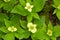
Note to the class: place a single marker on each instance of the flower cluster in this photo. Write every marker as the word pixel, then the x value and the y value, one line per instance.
pixel 12 29
pixel 32 27
pixel 29 7
pixel 49 32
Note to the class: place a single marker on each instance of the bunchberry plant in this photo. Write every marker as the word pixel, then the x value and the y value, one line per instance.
pixel 29 19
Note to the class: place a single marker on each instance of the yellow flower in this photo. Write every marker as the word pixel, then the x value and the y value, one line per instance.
pixel 32 27
pixel 6 0
pixel 58 7
pixel 49 32
pixel 29 7
pixel 12 29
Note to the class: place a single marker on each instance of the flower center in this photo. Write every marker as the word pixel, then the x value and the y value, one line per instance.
pixel 12 28
pixel 31 27
pixel 28 7
pixel 49 33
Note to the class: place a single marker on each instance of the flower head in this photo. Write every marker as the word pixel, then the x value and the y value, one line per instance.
pixel 49 32
pixel 6 0
pixel 12 29
pixel 29 7
pixel 58 7
pixel 32 27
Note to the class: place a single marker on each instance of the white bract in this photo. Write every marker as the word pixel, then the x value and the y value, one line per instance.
pixel 29 7
pixel 32 27
pixel 6 0
pixel 58 7
pixel 49 32
pixel 12 29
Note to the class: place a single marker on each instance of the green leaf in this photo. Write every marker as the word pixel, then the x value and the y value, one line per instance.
pixel 22 2
pixel 35 15
pixel 4 29
pixel 44 27
pixel 55 11
pixel 0 38
pixel 53 5
pixel 57 31
pixel 29 17
pixel 42 36
pixel 1 34
pixel 9 5
pixel 2 24
pixel 34 38
pixel 40 21
pixel 1 3
pixel 56 2
pixel 38 5
pixel 30 1
pixel 20 34
pixel 50 26
pixel 23 24
pixel 3 16
pixel 9 36
pixel 26 34
pixel 43 33
pixel 15 20
pixel 19 10
pixel 53 38
pixel 7 23
pixel 58 14
pixel 20 30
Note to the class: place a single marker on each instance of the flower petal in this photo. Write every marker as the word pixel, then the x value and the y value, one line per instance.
pixel 32 6
pixel 25 7
pixel 27 4
pixel 34 30
pixel 29 10
pixel 35 25
pixel 12 29
pixel 15 29
pixel 9 28
pixel 29 24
